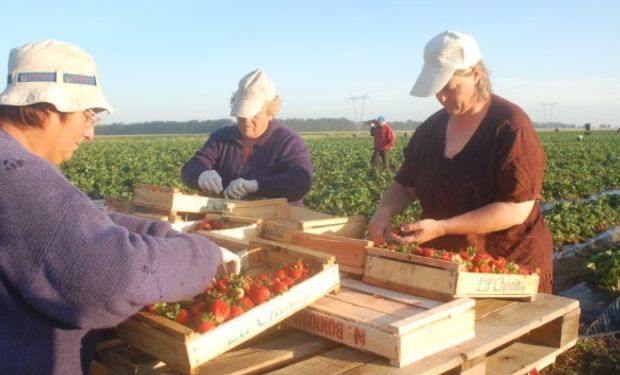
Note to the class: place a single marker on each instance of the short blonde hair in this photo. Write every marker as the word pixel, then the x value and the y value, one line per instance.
pixel 273 107
pixel 483 86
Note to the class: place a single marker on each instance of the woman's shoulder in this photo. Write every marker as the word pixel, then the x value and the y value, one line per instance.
pixel 429 125
pixel 280 131
pixel 507 112
pixel 224 133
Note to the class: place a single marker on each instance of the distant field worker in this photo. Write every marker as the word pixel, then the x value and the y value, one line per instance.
pixel 67 268
pixel 258 156
pixel 384 141
pixel 476 166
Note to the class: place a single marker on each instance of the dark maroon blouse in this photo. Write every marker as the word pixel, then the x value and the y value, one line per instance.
pixel 502 162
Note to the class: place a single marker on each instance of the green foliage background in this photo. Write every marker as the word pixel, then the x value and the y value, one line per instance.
pixel 346 184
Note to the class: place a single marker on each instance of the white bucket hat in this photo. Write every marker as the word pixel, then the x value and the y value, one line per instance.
pixel 255 89
pixel 443 55
pixel 53 72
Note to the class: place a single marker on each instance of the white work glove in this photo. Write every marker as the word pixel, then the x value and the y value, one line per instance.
pixel 210 181
pixel 231 262
pixel 240 187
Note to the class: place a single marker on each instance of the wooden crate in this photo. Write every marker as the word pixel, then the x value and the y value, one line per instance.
pixel 183 349
pixel 173 200
pixel 435 278
pixel 403 328
pixel 310 221
pixel 350 253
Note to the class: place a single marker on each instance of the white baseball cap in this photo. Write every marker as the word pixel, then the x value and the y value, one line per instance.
pixel 443 55
pixel 255 89
pixel 53 72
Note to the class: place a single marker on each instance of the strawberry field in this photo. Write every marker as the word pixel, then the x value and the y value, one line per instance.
pixel 346 184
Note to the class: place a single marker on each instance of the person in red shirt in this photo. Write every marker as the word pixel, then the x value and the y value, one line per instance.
pixel 384 141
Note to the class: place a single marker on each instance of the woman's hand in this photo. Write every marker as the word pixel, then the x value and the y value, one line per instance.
pixel 379 227
pixel 422 231
pixel 210 181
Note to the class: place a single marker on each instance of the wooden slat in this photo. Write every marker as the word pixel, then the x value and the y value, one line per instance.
pixel 262 357
pixel 155 342
pixel 522 357
pixel 336 361
pixel 303 213
pixel 412 278
pixel 489 306
pixel 377 303
pixel 230 243
pixel 282 253
pixel 444 311
pixel 175 330
pixel 355 313
pixel 393 295
pixel 559 332
pixel 438 263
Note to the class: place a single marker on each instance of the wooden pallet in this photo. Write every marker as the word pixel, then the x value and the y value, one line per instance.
pixel 185 350
pixel 439 279
pixel 512 337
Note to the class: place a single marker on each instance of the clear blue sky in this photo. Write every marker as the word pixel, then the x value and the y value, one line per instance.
pixel 181 60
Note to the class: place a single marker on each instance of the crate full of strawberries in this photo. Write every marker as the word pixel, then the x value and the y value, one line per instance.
pixel 277 281
pixel 444 275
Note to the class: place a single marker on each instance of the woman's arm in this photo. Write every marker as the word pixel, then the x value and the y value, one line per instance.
pixel 395 200
pixel 490 218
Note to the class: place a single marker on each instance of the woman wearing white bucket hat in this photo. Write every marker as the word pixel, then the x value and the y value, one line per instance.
pixel 476 166
pixel 67 268
pixel 258 156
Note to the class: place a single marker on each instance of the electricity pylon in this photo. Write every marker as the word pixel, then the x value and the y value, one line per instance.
pixel 358 116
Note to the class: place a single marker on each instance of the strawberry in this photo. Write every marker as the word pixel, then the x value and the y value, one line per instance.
pixel 235 311
pixel 428 252
pixel 295 270
pixel 484 268
pixel 447 255
pixel 197 308
pixel 206 323
pixel 280 273
pixel 465 255
pixel 245 303
pixel 258 294
pixel 288 281
pixel 203 225
pixel 220 310
pixel 278 287
pixel 222 285
pixel 155 308
pixel 219 225
pixel 183 316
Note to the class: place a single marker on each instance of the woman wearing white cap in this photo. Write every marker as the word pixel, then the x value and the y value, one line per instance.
pixel 476 166
pixel 67 268
pixel 258 156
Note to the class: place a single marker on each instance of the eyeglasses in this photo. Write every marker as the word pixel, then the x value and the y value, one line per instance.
pixel 92 118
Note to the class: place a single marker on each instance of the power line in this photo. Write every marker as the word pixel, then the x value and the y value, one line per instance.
pixel 547 111
pixel 358 116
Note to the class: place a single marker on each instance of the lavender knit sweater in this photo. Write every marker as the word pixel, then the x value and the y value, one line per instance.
pixel 68 269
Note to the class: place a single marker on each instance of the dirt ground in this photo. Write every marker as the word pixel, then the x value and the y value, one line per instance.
pixel 591 356
pixel 568 272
